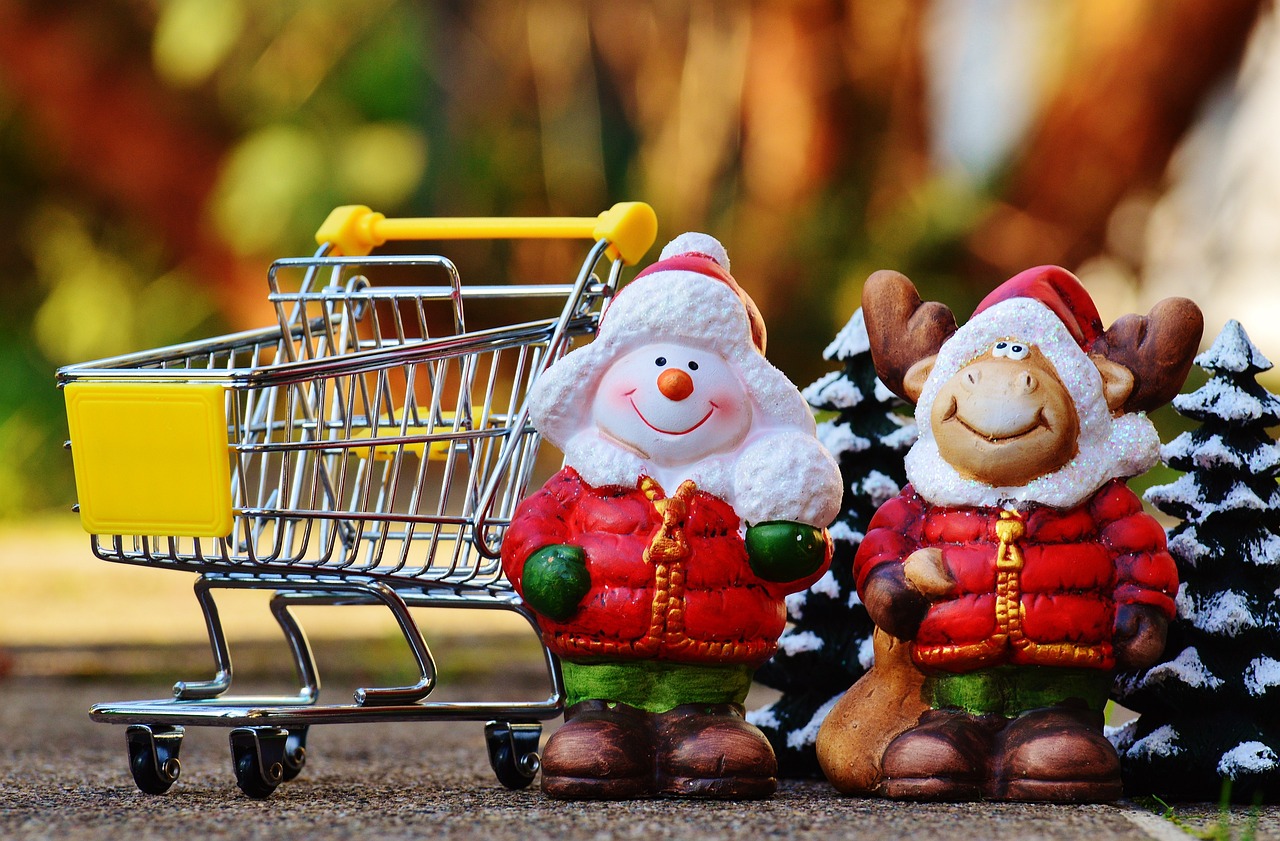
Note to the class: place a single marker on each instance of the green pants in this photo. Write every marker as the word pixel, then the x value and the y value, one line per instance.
pixel 1012 690
pixel 654 685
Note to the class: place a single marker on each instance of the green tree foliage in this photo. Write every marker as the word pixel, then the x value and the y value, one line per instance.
pixel 1208 709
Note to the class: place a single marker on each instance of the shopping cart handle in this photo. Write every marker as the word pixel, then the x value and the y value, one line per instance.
pixel 628 227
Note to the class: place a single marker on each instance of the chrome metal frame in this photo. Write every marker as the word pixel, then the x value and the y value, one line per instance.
pixel 299 381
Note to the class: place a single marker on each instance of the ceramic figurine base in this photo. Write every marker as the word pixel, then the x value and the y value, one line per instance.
pixel 615 752
pixel 886 701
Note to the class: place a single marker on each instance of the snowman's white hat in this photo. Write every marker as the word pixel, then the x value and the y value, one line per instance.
pixel 695 253
pixel 688 297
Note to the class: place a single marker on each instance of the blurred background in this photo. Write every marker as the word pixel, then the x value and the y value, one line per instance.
pixel 155 155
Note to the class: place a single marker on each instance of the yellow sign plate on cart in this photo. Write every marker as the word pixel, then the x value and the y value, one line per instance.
pixel 151 458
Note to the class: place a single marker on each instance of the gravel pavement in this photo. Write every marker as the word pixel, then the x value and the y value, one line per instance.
pixel 64 777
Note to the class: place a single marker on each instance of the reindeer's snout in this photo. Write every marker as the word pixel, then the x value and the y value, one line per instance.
pixel 1005 421
pixel 1001 381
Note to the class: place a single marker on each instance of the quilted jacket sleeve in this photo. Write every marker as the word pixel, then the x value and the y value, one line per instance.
pixel 892 535
pixel 1145 572
pixel 540 520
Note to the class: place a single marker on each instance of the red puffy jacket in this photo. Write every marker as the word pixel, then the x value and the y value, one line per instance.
pixel 1039 587
pixel 669 577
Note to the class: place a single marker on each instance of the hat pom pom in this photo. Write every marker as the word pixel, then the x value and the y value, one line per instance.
pixel 696 243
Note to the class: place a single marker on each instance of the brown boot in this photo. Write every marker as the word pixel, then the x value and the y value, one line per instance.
pixel 944 757
pixel 603 751
pixel 709 750
pixel 1055 754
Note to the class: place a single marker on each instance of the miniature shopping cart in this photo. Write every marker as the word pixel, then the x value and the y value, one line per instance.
pixel 370 449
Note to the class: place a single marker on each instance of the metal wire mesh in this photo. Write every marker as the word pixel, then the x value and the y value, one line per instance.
pixel 373 434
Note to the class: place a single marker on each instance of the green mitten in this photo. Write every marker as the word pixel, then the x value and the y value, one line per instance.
pixel 555 579
pixel 783 551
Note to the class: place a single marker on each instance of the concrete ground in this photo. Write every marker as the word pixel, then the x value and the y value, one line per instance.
pixel 64 777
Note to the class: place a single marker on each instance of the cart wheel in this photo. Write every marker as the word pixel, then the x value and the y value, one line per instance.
pixel 513 752
pixel 153 756
pixel 295 753
pixel 258 755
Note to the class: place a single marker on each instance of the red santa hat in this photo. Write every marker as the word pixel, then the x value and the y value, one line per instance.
pixel 1060 291
pixel 1049 308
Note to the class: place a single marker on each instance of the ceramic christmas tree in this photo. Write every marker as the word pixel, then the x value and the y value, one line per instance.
pixel 1210 710
pixel 828 644
pixel 1016 569
pixel 694 499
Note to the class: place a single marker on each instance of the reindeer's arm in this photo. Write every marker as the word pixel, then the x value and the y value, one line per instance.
pixel 1146 577
pixel 1139 637
pixel 893 604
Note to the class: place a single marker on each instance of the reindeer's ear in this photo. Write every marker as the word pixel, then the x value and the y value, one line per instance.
pixel 913 381
pixel 1117 381
pixel 903 331
pixel 1156 348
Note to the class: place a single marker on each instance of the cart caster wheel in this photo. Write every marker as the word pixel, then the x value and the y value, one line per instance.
pixel 258 757
pixel 295 753
pixel 513 752
pixel 153 756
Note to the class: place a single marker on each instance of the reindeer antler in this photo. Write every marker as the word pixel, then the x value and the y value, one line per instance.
pixel 902 329
pixel 1157 348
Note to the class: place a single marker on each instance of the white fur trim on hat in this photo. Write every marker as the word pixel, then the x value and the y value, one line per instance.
pixel 1108 447
pixel 787 476
pixel 696 243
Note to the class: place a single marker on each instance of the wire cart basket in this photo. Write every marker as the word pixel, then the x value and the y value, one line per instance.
pixel 357 453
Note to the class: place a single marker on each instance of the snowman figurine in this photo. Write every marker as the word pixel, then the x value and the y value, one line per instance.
pixel 694 498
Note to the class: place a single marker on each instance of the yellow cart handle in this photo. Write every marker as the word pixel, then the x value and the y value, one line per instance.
pixel 628 227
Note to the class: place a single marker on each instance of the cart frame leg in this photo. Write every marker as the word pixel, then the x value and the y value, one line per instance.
pixel 304 662
pixel 202 690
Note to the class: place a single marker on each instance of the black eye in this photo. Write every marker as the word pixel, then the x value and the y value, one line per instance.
pixel 661 360
pixel 1002 345
pixel 693 366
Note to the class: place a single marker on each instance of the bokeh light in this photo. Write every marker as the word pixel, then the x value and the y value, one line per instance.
pixel 157 155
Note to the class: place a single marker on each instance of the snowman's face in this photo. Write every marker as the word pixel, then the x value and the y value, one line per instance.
pixel 673 403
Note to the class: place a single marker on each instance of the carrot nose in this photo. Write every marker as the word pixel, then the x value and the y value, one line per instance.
pixel 675 384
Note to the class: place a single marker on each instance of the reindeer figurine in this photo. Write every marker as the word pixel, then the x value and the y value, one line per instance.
pixel 1016 568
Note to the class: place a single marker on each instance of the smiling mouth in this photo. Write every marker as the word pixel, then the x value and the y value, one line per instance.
pixel 705 418
pixel 1038 422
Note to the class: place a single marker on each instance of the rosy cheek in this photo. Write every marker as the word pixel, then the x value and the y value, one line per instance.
pixel 728 401
pixel 616 393
pixel 622 393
